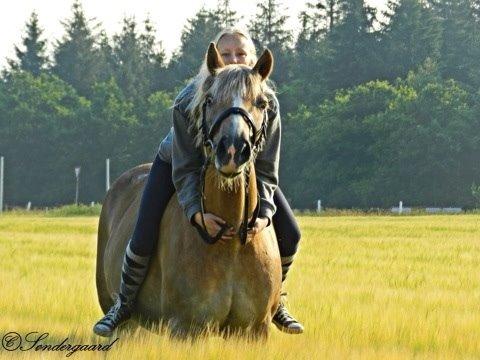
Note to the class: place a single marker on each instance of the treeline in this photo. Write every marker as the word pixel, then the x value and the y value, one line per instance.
pixel 376 107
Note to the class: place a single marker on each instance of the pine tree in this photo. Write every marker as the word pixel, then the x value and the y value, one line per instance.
pixel 411 35
pixel 475 5
pixel 310 25
pixel 130 62
pixel 77 59
pixel 154 57
pixel 318 19
pixel 459 51
pixel 107 63
pixel 312 53
pixel 323 14
pixel 268 30
pixel 355 57
pixel 268 26
pixel 196 35
pixel 139 63
pixel 226 16
pixel 475 73
pixel 33 58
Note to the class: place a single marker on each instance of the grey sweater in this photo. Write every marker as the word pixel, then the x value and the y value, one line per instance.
pixel 179 148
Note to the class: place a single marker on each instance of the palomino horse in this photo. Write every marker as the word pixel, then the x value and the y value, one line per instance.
pixel 229 286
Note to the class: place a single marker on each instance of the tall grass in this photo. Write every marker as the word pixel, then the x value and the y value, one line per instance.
pixel 71 210
pixel 364 286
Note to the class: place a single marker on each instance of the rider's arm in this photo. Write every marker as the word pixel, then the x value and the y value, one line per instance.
pixel 186 162
pixel 266 165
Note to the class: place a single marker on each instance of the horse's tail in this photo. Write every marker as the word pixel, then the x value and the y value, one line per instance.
pixel 116 203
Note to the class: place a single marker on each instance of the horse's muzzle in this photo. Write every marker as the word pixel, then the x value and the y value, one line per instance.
pixel 232 153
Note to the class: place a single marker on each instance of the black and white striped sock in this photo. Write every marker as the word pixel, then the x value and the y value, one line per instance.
pixel 286 263
pixel 134 269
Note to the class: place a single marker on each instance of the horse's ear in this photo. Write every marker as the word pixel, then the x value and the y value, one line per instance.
pixel 264 65
pixel 214 60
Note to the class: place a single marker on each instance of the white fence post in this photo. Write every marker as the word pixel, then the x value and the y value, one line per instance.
pixel 107 174
pixel 319 206
pixel 400 207
pixel 77 176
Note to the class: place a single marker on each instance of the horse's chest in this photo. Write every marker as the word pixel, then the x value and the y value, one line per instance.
pixel 202 298
pixel 208 284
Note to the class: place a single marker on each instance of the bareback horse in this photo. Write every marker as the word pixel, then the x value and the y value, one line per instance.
pixel 194 282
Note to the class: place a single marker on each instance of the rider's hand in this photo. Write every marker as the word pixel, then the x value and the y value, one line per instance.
pixel 213 225
pixel 260 224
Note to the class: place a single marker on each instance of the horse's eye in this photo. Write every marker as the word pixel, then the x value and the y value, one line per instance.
pixel 209 100
pixel 261 104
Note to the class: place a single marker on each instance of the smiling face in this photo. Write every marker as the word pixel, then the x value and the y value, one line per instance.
pixel 242 87
pixel 236 49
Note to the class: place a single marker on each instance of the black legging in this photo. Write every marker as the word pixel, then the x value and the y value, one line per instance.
pixel 157 193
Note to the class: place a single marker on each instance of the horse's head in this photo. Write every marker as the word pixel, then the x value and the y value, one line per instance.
pixel 234 111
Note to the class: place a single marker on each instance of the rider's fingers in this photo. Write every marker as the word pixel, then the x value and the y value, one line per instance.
pixel 230 232
pixel 212 221
pixel 217 219
pixel 253 230
pixel 213 228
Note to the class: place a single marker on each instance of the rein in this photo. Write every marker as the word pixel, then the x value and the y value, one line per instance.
pixel 207 135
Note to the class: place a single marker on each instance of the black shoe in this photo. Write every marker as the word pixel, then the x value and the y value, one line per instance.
pixel 134 270
pixel 285 322
pixel 117 315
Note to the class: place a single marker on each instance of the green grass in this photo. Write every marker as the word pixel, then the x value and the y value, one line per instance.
pixel 364 286
pixel 60 211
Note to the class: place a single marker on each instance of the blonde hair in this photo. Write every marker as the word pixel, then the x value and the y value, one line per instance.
pixel 233 31
pixel 238 31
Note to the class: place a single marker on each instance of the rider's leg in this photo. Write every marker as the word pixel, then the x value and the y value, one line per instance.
pixel 288 236
pixel 156 195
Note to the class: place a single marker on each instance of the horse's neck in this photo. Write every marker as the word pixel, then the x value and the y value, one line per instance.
pixel 228 203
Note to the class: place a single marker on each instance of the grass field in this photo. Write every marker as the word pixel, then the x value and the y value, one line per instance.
pixel 364 286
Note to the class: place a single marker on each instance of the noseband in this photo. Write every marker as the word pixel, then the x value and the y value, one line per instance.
pixel 207 134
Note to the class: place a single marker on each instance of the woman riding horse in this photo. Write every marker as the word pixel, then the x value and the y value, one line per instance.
pixel 179 153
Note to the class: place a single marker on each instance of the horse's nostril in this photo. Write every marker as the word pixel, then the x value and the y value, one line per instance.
pixel 244 153
pixel 246 149
pixel 222 145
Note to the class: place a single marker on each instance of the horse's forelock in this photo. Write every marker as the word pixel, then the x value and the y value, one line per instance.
pixel 236 81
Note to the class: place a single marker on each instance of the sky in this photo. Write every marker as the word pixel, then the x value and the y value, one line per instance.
pixel 168 18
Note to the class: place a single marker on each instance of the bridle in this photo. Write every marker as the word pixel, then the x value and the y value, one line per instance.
pixel 207 134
